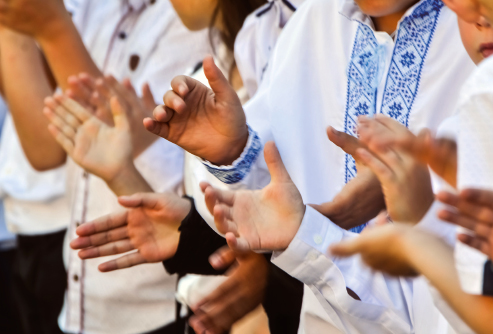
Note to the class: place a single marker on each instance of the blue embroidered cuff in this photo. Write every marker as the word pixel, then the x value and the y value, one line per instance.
pixel 241 166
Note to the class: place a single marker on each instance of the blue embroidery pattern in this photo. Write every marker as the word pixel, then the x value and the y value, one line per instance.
pixel 402 84
pixel 235 174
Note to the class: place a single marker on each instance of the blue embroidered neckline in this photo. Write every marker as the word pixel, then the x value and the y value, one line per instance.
pixel 414 38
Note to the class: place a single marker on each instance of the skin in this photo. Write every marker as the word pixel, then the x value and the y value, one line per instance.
pixel 385 14
pixel 87 140
pixel 475 36
pixel 471 10
pixel 473 210
pixel 149 225
pixel 266 219
pixel 195 14
pixel 405 181
pixel 401 250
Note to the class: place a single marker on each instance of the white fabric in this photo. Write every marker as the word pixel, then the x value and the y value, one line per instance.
pixel 257 39
pixel 475 160
pixel 139 299
pixel 304 90
pixel 35 202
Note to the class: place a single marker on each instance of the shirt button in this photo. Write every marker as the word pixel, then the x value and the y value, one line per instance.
pixel 152 2
pixel 134 62
pixel 77 224
pixel 318 239
pixel 122 35
pixel 312 256
pixel 76 278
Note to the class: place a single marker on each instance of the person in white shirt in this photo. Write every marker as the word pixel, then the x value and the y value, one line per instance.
pixel 112 32
pixel 402 76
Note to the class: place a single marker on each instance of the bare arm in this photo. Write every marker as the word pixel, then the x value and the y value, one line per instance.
pixel 25 87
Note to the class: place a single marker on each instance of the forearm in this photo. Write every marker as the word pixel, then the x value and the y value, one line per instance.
pixel 128 182
pixel 25 88
pixel 66 53
pixel 434 259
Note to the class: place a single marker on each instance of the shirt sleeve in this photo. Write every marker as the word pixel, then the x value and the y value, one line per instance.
pixel 237 171
pixel 307 259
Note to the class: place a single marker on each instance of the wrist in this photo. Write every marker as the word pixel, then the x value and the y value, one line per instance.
pixel 128 181
pixel 54 32
pixel 232 150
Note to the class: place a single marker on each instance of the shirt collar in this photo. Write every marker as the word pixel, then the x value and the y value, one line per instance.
pixel 351 10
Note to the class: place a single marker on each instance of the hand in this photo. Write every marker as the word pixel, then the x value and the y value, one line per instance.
pixel 208 123
pixel 100 149
pixel 266 219
pixel 440 154
pixel 242 293
pixel 473 210
pixel 36 18
pixel 381 248
pixel 406 183
pixel 150 226
pixel 361 199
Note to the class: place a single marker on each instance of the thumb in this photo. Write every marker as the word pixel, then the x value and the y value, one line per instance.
pixel 347 143
pixel 119 115
pixel 218 82
pixel 148 97
pixel 277 170
pixel 147 200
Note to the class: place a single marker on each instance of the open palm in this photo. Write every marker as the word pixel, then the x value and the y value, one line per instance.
pixel 266 219
pixel 150 226
pixel 101 149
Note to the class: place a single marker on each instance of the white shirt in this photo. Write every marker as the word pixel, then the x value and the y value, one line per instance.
pixel 475 161
pixel 35 202
pixel 307 88
pixel 146 42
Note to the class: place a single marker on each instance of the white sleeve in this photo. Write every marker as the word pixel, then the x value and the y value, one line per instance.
pixel 307 260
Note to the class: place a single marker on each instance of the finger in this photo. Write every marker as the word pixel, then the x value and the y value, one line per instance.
pixel 478 196
pixel 347 143
pixel 127 84
pixel 238 244
pixel 213 196
pixel 126 261
pixel 448 198
pixel 88 81
pixel 158 128
pixel 222 258
pixel 218 82
pixel 276 167
pixel 182 85
pixel 346 248
pixel 99 239
pixel 66 143
pixel 103 224
pixel 147 200
pixel 74 108
pixel 112 248
pixel 381 170
pixel 78 90
pixel 476 242
pixel 222 218
pixel 455 218
pixel 174 102
pixel 59 122
pixel 103 86
pixel 163 114
pixel 481 213
pixel 120 117
pixel 148 97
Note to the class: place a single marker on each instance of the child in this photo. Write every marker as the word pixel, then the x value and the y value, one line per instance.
pixel 403 78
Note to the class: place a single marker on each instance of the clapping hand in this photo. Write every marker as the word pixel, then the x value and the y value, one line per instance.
pixel 209 123
pixel 266 219
pixel 149 226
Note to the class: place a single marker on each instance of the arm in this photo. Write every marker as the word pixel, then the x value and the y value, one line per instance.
pixel 23 73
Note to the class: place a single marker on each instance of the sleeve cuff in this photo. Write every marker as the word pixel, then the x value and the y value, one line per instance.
pixel 305 258
pixel 241 166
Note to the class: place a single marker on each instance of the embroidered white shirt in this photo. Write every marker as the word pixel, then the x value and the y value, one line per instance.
pixel 329 67
pixel 145 41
